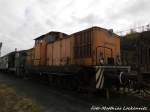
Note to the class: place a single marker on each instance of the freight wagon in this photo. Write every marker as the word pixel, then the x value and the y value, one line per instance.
pixel 136 53
pixel 7 61
pixel 13 62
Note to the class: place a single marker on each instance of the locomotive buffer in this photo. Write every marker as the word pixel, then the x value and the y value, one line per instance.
pixel 108 77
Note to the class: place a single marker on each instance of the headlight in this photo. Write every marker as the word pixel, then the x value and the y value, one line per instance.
pixel 101 60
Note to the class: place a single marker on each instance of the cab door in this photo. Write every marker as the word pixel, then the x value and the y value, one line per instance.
pixel 103 55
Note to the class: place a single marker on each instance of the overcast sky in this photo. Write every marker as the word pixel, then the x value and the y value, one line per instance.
pixel 23 20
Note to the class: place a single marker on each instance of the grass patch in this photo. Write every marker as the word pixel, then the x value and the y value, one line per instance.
pixel 11 102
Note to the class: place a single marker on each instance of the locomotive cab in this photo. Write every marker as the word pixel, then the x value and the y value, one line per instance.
pixel 109 69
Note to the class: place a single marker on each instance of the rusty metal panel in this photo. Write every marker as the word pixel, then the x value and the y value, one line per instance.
pixel 72 53
pixel 50 54
pixel 83 44
pixel 59 52
pixel 40 52
pixel 29 57
pixel 43 50
pixel 68 51
pixel 56 53
pixel 37 55
pixel 65 51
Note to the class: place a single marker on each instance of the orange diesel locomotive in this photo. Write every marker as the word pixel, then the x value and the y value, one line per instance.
pixel 85 59
pixel 82 48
